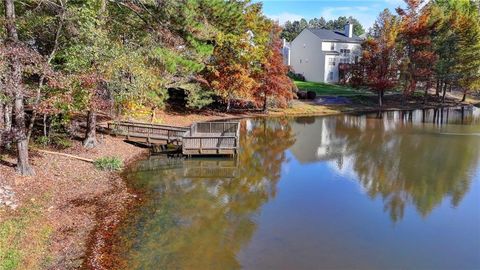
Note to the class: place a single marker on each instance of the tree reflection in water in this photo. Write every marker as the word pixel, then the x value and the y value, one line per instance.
pixel 404 165
pixel 197 222
pixel 199 213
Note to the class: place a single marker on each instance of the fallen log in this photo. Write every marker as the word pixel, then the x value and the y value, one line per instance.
pixel 65 155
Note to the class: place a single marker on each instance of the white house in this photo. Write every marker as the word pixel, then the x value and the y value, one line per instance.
pixel 316 53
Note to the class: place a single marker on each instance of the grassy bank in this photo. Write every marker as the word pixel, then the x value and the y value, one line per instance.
pixel 24 238
pixel 325 89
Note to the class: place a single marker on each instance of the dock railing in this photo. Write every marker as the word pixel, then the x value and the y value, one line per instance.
pixel 146 131
pixel 212 138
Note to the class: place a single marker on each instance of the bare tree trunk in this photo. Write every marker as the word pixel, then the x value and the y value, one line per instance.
pixel 44 125
pixel 427 87
pixel 153 115
pixel 425 96
pixel 12 35
pixel 380 99
pixel 265 107
pixel 444 92
pixel 464 95
pixel 2 116
pixel 23 165
pixel 437 89
pixel 8 117
pixel 91 133
pixel 228 105
pixel 15 82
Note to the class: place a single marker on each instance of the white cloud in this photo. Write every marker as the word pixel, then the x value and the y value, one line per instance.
pixel 285 16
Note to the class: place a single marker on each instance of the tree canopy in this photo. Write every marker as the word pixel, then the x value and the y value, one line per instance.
pixel 292 29
pixel 123 57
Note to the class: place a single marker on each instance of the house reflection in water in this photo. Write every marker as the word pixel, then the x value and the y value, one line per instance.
pixel 405 158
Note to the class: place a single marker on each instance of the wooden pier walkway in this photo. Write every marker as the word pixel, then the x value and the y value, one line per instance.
pixel 206 138
pixel 147 133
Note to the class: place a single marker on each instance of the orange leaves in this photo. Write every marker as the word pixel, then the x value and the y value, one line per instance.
pixel 415 36
pixel 273 77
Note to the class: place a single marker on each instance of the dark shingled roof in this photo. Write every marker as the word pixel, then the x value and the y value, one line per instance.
pixel 332 35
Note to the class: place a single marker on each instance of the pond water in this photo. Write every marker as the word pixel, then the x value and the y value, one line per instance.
pixel 398 190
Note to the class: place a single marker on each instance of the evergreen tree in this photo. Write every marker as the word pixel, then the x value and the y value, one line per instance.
pixel 292 29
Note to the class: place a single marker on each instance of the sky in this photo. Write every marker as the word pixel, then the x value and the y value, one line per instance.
pixel 366 11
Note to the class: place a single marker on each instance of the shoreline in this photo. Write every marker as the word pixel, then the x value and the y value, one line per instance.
pixel 299 109
pixel 102 238
pixel 80 207
pixel 107 221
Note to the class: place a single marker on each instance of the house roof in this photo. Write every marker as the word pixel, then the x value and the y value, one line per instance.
pixel 334 35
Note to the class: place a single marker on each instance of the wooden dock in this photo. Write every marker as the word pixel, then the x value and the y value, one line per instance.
pixel 212 138
pixel 206 138
pixel 147 133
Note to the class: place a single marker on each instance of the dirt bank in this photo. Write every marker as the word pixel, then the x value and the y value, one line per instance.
pixel 57 210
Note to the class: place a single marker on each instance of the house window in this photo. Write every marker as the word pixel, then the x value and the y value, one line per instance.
pixel 332 47
pixel 345 52
pixel 330 76
pixel 344 60
pixel 331 61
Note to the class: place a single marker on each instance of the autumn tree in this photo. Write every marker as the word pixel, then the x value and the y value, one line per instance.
pixel 272 77
pixel 380 56
pixel 414 35
pixel 238 55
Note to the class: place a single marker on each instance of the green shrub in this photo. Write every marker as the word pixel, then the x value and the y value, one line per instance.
pixel 296 76
pixel 62 142
pixel 108 164
pixel 42 141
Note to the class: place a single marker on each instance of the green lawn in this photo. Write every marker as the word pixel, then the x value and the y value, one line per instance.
pixel 325 89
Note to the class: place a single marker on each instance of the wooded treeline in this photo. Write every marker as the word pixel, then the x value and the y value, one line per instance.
pixel 292 29
pixel 59 58
pixel 428 45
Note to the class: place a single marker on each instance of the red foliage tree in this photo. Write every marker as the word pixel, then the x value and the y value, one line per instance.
pixel 273 77
pixel 380 72
pixel 416 28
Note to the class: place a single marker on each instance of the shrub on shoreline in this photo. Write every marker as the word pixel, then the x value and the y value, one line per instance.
pixel 108 164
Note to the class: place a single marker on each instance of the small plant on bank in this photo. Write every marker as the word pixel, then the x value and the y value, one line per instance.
pixel 108 164
pixel 61 141
pixel 42 141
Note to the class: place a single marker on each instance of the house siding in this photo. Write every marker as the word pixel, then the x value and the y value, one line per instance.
pixel 311 57
pixel 306 58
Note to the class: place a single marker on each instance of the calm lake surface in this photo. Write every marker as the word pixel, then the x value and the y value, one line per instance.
pixel 398 190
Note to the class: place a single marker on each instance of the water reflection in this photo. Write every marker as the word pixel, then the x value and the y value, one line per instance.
pixel 394 158
pixel 197 214
pixel 230 214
